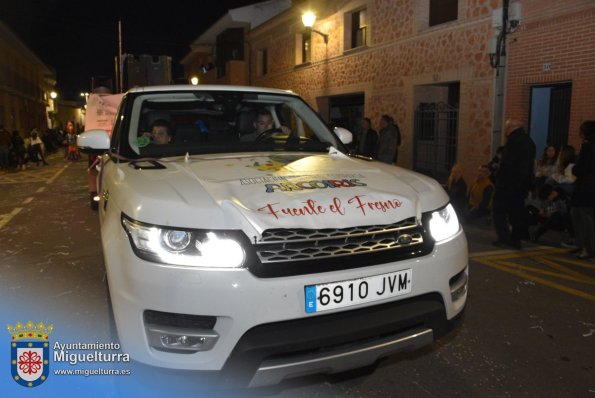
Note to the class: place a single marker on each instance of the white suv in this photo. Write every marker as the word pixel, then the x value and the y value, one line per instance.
pixel 267 256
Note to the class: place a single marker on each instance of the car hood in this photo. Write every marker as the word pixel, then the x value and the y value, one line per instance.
pixel 265 191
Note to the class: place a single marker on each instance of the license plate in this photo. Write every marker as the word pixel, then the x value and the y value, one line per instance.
pixel 328 296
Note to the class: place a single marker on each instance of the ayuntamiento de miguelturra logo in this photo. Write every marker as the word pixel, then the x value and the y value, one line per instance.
pixel 30 353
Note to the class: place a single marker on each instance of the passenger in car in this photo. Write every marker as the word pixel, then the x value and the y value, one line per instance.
pixel 160 134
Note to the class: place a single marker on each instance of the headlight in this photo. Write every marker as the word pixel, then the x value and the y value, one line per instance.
pixel 199 248
pixel 444 223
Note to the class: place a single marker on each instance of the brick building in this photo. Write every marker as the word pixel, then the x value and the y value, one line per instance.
pixel 551 71
pixel 426 63
pixel 25 85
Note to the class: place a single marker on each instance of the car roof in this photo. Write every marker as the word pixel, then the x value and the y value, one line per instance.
pixel 210 87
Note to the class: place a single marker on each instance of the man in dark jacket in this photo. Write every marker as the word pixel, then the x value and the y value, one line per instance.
pixel 513 182
pixel 368 139
pixel 389 139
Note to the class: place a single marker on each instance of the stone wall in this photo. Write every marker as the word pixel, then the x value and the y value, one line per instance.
pixel 404 53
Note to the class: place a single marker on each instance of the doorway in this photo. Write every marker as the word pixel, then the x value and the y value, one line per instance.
pixel 347 111
pixel 549 116
pixel 436 120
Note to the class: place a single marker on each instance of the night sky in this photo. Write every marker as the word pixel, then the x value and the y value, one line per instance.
pixel 79 39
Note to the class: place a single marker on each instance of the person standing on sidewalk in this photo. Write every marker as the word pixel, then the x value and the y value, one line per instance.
pixel 368 139
pixel 18 149
pixel 4 147
pixel 389 139
pixel 37 148
pixel 72 151
pixel 513 182
pixel 582 202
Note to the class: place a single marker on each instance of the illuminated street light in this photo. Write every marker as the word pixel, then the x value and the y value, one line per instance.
pixel 194 80
pixel 308 19
pixel 53 95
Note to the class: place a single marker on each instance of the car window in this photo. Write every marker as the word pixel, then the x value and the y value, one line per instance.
pixel 222 122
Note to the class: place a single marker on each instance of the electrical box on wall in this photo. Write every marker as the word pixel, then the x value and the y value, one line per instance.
pixel 514 16
pixel 497 18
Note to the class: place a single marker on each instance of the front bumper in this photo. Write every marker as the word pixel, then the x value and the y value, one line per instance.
pixel 252 311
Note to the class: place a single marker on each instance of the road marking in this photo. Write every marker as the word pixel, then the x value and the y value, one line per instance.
pixel 577 262
pixel 28 200
pixel 530 272
pixel 577 277
pixel 40 190
pixel 56 175
pixel 5 218
pixel 508 254
pixel 566 270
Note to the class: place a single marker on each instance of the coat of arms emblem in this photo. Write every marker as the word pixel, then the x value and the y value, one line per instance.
pixel 29 353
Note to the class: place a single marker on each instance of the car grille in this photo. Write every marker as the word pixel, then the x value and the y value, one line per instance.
pixel 281 245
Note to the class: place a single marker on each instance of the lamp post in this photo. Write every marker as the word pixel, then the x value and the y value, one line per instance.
pixel 308 19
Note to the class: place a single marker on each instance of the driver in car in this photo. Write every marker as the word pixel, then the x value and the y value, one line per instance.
pixel 263 122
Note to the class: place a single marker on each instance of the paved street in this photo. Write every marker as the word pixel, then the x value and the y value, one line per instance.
pixel 529 328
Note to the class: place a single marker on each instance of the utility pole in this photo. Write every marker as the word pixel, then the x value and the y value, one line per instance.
pixel 120 76
pixel 499 63
pixel 505 20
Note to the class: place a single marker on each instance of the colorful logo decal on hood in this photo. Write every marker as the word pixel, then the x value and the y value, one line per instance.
pixel 313 184
pixel 274 163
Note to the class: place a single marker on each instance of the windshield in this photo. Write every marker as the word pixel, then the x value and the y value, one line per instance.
pixel 198 122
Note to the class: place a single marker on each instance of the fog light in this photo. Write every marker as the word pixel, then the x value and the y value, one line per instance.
pixel 181 340
pixel 458 286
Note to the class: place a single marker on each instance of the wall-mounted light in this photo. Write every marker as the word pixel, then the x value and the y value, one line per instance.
pixel 308 19
pixel 194 80
pixel 53 95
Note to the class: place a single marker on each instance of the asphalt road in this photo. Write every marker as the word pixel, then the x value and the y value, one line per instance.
pixel 529 328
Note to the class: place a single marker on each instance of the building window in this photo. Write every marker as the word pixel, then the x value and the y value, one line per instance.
pixel 262 62
pixel 306 47
pixel 356 29
pixel 442 11
pixel 303 46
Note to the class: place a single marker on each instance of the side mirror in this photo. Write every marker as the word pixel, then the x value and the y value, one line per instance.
pixel 93 142
pixel 344 135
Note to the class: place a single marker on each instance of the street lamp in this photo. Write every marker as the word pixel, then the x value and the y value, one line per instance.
pixel 53 95
pixel 308 19
pixel 194 80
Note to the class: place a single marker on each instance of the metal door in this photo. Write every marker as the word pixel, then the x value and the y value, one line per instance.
pixel 435 139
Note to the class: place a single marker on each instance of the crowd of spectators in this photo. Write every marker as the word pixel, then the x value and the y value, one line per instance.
pixel 526 198
pixel 19 151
